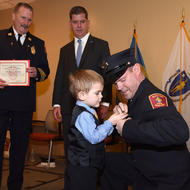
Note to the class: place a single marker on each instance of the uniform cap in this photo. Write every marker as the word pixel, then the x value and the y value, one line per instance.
pixel 116 65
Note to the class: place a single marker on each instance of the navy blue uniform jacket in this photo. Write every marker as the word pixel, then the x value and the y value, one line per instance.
pixel 157 134
pixel 18 97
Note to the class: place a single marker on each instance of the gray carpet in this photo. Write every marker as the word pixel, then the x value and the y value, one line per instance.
pixel 38 178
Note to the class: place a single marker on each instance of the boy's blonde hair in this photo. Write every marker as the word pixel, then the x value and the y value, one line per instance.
pixel 82 80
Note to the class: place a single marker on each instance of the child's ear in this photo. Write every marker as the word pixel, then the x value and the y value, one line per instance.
pixel 82 95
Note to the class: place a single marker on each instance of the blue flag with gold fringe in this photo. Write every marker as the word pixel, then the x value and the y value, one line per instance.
pixel 134 45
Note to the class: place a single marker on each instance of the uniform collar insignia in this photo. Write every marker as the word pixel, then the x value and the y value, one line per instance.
pixel 29 38
pixel 104 65
pixel 10 34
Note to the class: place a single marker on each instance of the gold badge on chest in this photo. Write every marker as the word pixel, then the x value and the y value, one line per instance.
pixel 33 50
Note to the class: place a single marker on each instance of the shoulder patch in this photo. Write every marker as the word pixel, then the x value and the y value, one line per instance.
pixel 158 100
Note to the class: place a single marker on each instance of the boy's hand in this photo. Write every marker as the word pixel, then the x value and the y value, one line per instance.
pixel 114 118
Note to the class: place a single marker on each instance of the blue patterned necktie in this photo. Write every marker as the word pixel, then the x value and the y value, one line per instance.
pixel 79 52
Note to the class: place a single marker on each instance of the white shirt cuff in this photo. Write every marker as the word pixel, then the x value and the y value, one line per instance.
pixel 56 105
pixel 105 104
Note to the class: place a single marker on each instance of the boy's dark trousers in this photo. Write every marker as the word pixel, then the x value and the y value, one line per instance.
pixel 80 178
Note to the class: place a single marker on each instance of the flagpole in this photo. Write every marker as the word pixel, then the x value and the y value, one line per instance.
pixel 182 15
pixel 134 28
pixel 180 81
pixel 135 36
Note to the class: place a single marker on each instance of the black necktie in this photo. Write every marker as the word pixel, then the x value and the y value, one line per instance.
pixel 19 42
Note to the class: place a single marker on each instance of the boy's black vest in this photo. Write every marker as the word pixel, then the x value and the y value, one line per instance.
pixel 81 152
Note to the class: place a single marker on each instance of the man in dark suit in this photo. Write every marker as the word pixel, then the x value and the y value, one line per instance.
pixel 17 103
pixel 157 133
pixel 94 51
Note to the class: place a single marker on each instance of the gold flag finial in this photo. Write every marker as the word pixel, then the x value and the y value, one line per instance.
pixel 135 24
pixel 182 14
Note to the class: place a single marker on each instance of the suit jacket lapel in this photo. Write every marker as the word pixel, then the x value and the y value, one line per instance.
pixel 12 43
pixel 89 45
pixel 72 54
pixel 28 42
pixel 11 37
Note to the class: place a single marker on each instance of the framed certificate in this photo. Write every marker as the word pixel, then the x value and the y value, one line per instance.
pixel 14 72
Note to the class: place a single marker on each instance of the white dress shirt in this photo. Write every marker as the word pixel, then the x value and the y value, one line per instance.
pixel 22 38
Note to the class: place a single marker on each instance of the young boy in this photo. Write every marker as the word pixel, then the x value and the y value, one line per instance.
pixel 86 136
